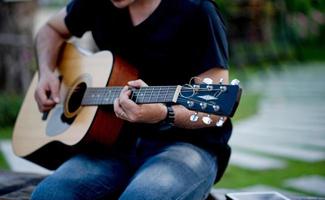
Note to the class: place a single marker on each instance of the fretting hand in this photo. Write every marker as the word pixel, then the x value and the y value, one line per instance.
pixel 128 110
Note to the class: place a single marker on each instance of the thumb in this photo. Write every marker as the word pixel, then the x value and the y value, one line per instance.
pixel 137 83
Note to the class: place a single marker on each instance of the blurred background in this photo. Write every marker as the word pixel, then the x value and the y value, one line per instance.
pixel 277 50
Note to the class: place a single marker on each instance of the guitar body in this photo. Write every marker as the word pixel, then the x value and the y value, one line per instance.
pixel 50 141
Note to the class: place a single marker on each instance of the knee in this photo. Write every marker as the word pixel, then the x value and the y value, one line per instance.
pixel 147 191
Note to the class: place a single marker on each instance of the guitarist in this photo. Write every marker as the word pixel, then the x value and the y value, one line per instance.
pixel 160 154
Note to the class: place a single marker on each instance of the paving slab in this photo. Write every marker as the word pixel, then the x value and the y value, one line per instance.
pixel 302 154
pixel 312 184
pixel 255 162
pixel 280 138
pixel 275 128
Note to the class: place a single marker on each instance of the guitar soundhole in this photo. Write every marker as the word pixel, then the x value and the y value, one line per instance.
pixel 74 100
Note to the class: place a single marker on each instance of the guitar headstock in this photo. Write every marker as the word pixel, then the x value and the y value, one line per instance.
pixel 217 99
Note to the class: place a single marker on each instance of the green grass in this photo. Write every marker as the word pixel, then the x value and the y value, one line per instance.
pixel 248 106
pixel 249 102
pixel 5 133
pixel 3 163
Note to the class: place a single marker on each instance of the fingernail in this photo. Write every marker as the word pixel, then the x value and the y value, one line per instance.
pixel 56 99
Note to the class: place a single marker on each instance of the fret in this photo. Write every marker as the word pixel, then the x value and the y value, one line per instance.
pixel 166 94
pixel 157 96
pixel 137 96
pixel 142 94
pixel 152 90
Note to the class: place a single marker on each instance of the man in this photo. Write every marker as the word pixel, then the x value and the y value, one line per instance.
pixel 161 154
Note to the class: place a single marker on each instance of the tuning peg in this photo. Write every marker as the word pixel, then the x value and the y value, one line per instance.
pixel 203 105
pixel 216 108
pixel 235 82
pixel 207 120
pixel 190 104
pixel 194 117
pixel 207 81
pixel 220 81
pixel 220 122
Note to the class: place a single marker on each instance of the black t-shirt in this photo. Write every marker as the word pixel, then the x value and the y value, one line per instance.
pixel 179 40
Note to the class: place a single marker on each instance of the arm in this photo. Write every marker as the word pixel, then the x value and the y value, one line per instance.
pixel 154 113
pixel 49 40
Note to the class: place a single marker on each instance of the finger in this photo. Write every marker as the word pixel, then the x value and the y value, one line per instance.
pixel 42 107
pixel 54 89
pixel 43 99
pixel 119 112
pixel 124 97
pixel 137 83
pixel 124 100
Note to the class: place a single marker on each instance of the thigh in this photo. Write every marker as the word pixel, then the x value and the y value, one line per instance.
pixel 178 171
pixel 85 177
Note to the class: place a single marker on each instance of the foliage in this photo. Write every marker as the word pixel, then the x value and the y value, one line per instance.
pixel 299 6
pixel 304 6
pixel 9 108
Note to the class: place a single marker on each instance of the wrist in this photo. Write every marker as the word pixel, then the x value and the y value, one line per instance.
pixel 168 122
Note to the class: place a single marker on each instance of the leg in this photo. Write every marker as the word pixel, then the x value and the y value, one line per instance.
pixel 84 177
pixel 178 171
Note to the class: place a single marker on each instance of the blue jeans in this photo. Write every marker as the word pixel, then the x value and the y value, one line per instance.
pixel 153 170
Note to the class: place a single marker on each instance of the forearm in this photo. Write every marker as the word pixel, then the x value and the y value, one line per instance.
pixel 49 40
pixel 48 44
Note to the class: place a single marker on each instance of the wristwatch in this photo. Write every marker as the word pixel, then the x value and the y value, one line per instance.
pixel 168 122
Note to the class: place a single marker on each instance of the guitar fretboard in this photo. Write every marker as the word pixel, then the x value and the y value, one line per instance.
pixel 152 94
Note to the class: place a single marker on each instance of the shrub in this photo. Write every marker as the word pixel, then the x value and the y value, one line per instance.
pixel 9 108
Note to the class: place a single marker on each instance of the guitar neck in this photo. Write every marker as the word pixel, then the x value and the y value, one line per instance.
pixel 143 95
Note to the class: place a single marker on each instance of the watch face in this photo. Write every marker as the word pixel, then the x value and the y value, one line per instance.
pixel 256 196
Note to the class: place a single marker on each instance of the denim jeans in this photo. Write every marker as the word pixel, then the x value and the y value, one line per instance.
pixel 153 170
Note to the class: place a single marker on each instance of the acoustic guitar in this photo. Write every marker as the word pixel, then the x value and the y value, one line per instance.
pixel 89 84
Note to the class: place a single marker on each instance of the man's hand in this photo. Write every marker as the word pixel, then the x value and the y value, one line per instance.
pixel 126 109
pixel 47 92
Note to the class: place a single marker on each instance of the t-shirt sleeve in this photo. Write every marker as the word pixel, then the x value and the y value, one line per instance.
pixel 214 40
pixel 79 16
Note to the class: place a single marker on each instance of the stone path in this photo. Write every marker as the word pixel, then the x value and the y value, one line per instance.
pixel 290 125
pixel 290 122
pixel 313 184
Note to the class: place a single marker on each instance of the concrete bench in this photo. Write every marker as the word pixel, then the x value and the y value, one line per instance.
pixel 17 186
